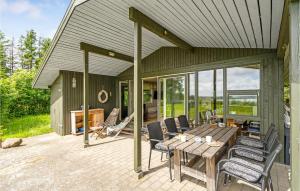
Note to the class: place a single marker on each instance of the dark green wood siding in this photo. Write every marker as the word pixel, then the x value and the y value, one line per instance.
pixel 56 104
pixel 64 98
pixel 169 60
pixel 73 97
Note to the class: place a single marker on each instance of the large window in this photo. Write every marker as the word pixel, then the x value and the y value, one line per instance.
pixel 173 96
pixel 243 86
pixel 244 105
pixel 219 92
pixel 243 78
pixel 205 92
pixel 192 98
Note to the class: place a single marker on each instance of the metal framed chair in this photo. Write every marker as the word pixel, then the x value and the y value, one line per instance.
pixel 156 140
pixel 183 122
pixel 256 174
pixel 255 154
pixel 257 143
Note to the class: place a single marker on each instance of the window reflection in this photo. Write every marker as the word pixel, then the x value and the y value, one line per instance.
pixel 243 105
pixel 243 78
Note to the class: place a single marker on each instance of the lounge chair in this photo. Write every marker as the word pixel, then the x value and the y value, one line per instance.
pixel 118 128
pixel 256 174
pixel 110 121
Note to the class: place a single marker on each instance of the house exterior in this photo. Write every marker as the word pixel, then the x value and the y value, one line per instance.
pixel 117 46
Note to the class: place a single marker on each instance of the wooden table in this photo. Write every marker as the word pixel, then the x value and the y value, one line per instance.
pixel 201 152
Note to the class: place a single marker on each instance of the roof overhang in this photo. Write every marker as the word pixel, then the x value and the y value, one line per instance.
pixel 203 23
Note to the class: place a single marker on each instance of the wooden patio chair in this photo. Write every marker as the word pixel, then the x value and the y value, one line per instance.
pixel 111 120
pixel 118 128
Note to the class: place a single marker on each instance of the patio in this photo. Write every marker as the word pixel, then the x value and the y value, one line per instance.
pixel 44 164
pixel 232 59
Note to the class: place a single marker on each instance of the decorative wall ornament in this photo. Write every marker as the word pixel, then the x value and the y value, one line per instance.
pixel 103 96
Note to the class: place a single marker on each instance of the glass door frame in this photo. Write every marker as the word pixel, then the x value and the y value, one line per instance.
pixel 159 90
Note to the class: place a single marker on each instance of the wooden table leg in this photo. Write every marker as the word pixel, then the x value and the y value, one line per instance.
pixel 177 165
pixel 211 174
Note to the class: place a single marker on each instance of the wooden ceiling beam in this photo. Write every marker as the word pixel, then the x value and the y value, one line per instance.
pixel 283 39
pixel 137 16
pixel 105 52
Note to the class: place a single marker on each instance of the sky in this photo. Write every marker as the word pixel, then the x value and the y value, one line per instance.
pixel 19 16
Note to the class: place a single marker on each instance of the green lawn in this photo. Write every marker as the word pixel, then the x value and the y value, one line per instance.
pixel 26 126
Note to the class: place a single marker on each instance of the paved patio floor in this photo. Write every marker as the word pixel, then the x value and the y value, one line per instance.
pixel 51 162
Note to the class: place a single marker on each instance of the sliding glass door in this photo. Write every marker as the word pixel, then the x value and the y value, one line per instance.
pixel 172 96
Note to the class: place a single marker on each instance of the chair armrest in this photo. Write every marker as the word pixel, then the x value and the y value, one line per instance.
pixel 249 138
pixel 241 164
pixel 156 140
pixel 243 149
pixel 184 128
pixel 252 148
pixel 171 133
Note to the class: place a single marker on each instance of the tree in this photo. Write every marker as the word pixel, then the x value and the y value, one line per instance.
pixel 28 50
pixel 3 55
pixel 44 44
pixel 12 60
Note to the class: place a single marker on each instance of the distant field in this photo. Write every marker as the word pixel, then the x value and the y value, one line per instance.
pixel 247 110
pixel 26 126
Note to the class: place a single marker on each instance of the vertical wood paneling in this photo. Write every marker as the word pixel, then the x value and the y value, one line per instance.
pixel 56 104
pixel 169 60
pixel 73 97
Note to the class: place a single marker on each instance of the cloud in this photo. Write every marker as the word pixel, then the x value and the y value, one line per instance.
pixel 3 5
pixel 22 7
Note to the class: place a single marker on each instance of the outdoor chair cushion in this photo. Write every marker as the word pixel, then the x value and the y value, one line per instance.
pixel 251 143
pixel 251 154
pixel 161 146
pixel 243 172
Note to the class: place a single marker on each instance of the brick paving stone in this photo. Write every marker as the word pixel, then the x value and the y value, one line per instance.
pixel 55 163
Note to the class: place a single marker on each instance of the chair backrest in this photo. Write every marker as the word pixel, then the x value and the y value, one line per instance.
pixel 271 157
pixel 183 121
pixel 171 125
pixel 273 138
pixel 113 117
pixel 155 132
pixel 269 132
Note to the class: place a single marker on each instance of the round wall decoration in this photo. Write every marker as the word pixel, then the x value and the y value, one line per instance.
pixel 103 96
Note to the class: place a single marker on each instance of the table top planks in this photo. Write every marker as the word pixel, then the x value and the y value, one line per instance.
pixel 190 135
pixel 220 134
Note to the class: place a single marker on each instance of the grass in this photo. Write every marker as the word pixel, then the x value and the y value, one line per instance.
pixel 26 126
pixel 239 109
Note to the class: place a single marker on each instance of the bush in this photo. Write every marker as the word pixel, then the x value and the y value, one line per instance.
pixel 18 98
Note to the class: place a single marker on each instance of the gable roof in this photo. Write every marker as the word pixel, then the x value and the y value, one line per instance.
pixel 201 23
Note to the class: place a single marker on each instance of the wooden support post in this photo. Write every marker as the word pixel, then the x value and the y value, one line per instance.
pixel 177 165
pixel 295 90
pixel 211 174
pixel 137 97
pixel 86 98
